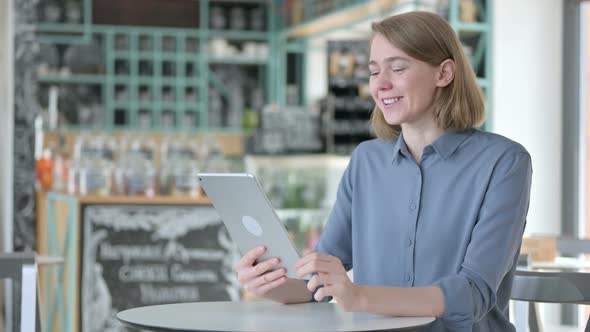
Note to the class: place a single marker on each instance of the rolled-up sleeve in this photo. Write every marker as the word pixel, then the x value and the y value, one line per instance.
pixel 495 241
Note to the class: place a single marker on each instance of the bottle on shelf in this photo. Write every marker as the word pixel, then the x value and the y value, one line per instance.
pixel 44 170
pixel 236 105
pixel 61 166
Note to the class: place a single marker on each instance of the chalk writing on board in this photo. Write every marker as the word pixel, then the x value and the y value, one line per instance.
pixel 137 255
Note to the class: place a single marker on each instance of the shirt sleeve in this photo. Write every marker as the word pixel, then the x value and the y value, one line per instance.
pixel 495 241
pixel 336 237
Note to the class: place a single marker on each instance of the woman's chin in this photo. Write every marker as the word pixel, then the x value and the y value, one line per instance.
pixel 393 121
pixel 392 117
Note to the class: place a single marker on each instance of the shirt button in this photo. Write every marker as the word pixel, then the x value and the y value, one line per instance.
pixel 408 277
pixel 409 243
pixel 413 206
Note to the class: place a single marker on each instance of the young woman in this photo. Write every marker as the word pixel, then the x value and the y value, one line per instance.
pixel 431 214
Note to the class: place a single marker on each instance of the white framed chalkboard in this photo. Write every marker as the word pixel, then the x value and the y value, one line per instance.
pixel 138 255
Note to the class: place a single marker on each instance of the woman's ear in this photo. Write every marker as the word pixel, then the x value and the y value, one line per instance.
pixel 446 73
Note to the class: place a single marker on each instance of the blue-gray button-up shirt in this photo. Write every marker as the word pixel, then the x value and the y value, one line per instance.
pixel 455 221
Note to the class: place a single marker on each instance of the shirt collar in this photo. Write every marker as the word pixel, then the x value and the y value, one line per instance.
pixel 445 145
pixel 450 141
pixel 400 149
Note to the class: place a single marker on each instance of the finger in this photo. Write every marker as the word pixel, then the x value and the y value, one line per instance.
pixel 313 256
pixel 326 264
pixel 249 258
pixel 310 253
pixel 273 284
pixel 325 280
pixel 323 292
pixel 266 278
pixel 315 267
pixel 259 269
pixel 315 282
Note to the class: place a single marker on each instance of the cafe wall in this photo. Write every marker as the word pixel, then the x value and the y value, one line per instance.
pixel 6 125
pixel 26 49
pixel 527 99
pixel 527 102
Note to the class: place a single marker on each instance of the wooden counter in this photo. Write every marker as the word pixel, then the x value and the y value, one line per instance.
pixel 121 252
pixel 159 200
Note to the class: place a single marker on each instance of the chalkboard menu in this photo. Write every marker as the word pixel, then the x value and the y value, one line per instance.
pixel 137 255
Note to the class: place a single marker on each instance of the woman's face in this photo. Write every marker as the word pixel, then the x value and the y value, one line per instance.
pixel 403 88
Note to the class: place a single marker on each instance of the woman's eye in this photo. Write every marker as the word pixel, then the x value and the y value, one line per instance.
pixel 374 73
pixel 398 70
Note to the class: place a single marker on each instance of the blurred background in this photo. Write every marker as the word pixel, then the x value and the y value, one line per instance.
pixel 109 108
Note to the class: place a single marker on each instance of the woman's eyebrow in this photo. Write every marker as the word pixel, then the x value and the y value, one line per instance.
pixel 389 60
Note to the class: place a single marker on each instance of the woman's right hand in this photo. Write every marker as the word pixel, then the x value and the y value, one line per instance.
pixel 259 278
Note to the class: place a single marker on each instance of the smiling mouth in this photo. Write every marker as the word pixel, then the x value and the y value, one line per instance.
pixel 389 101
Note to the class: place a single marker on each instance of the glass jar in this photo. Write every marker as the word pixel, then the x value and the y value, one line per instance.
pixel 215 161
pixel 94 177
pixel 184 179
pixel 217 18
pixel 92 166
pixel 237 18
pixel 257 20
pixel 180 165
pixel 135 172
pixel 139 178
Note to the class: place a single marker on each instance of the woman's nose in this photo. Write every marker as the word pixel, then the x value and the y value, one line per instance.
pixel 384 83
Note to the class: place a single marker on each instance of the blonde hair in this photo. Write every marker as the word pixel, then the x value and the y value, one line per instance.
pixel 427 37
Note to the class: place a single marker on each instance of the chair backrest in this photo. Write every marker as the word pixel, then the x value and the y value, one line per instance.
pixel 22 267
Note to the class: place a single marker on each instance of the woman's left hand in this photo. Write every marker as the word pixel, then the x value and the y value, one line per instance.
pixel 332 275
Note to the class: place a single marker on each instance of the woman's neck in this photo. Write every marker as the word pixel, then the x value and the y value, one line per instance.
pixel 417 138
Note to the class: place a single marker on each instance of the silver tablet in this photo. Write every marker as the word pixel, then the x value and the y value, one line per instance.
pixel 249 217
